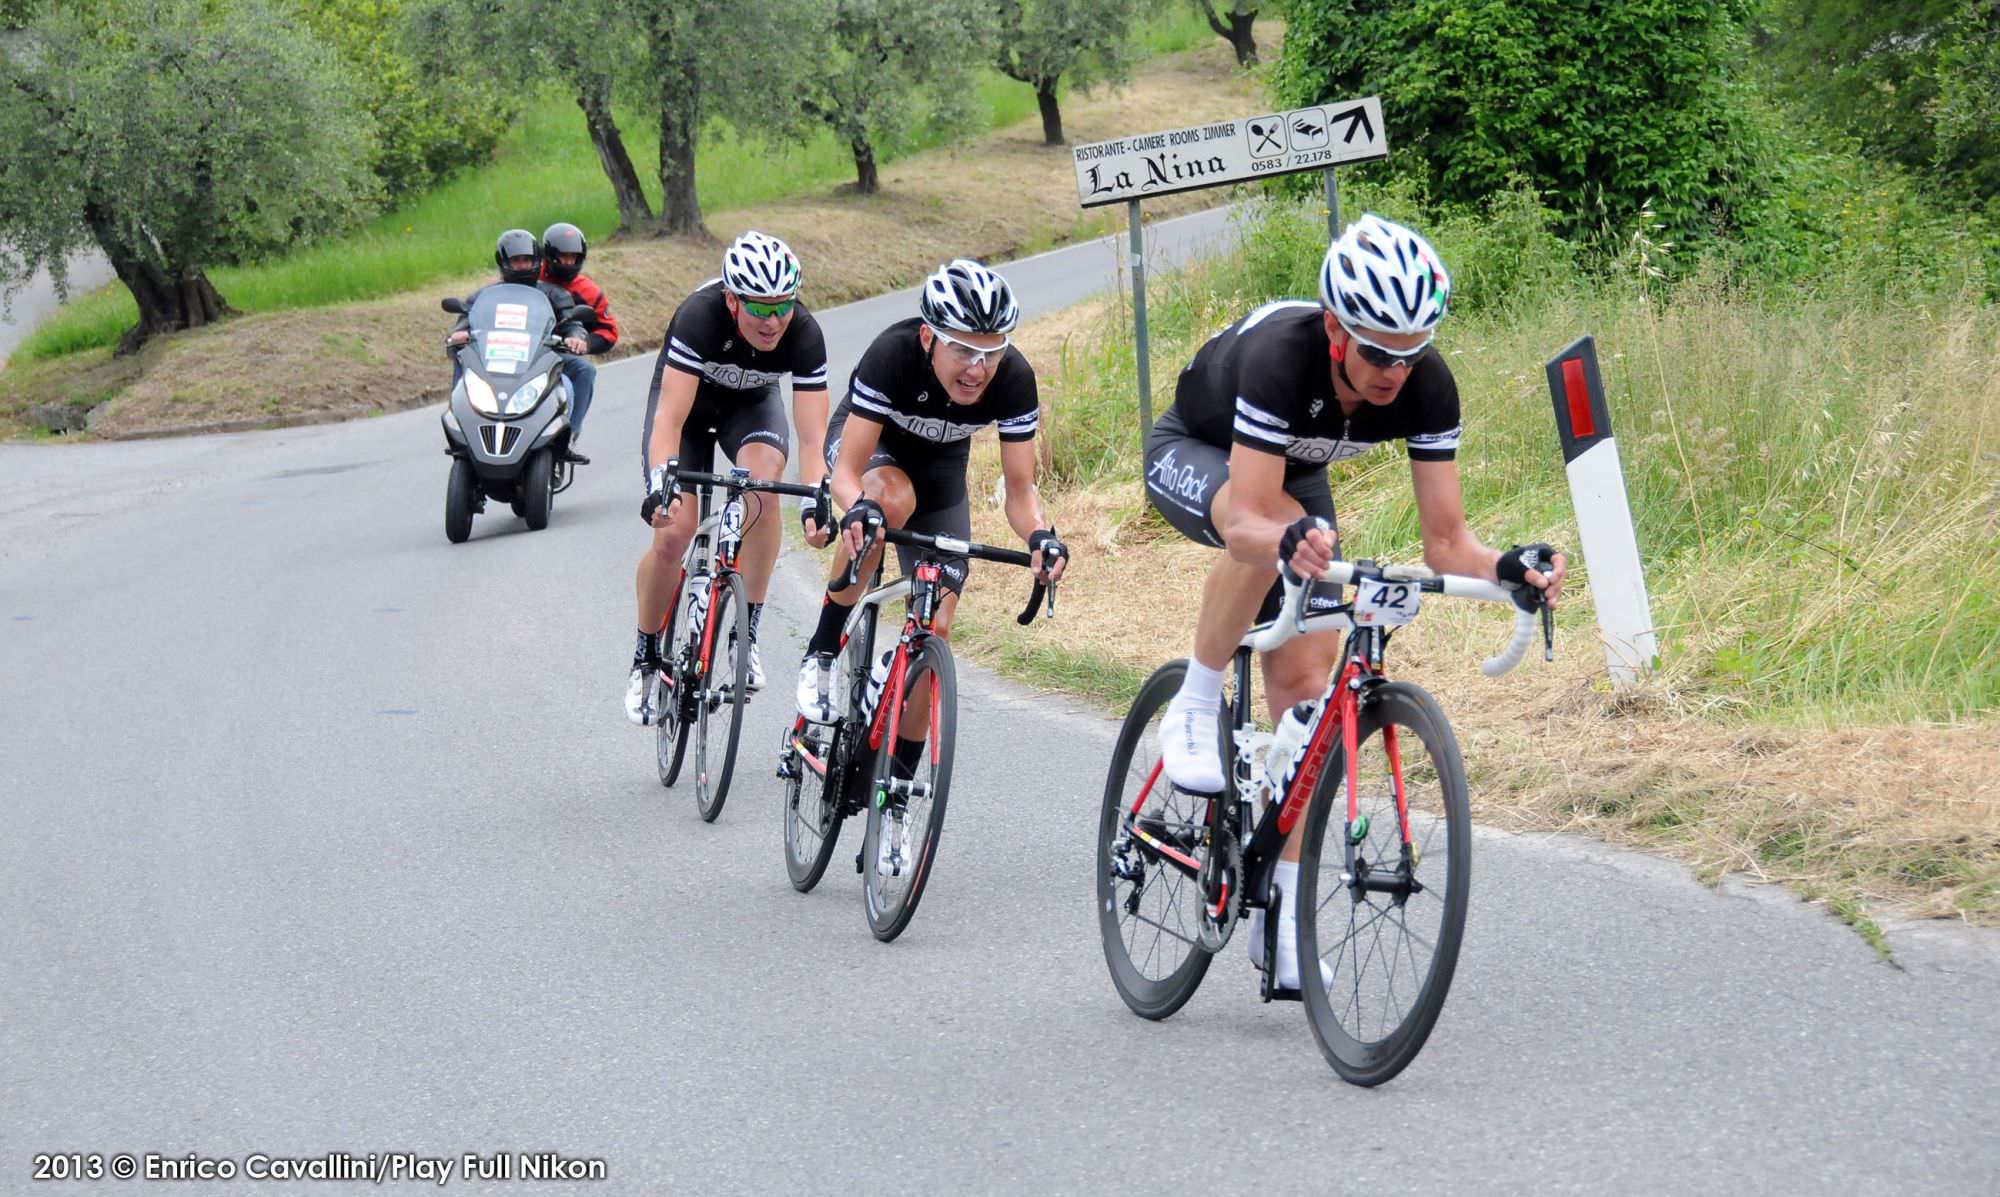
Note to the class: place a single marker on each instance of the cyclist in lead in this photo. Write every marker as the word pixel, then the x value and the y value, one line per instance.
pixel 716 383
pixel 1239 463
pixel 899 444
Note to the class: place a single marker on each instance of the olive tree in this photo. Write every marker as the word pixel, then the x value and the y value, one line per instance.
pixel 878 67
pixel 1043 42
pixel 174 135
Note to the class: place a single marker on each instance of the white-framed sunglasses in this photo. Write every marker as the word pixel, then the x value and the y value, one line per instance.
pixel 967 354
pixel 1381 356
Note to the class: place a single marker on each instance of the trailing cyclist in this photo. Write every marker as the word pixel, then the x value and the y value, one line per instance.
pixel 899 444
pixel 1239 463
pixel 716 383
pixel 563 252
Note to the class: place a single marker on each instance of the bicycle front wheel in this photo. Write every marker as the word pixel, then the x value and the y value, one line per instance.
pixel 1149 905
pixel 906 807
pixel 1384 927
pixel 670 724
pixel 813 809
pixel 720 692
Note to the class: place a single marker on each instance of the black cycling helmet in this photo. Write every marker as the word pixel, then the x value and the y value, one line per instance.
pixel 516 243
pixel 563 238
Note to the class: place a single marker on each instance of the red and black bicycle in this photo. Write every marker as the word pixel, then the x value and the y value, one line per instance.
pixel 907 693
pixel 1382 892
pixel 701 686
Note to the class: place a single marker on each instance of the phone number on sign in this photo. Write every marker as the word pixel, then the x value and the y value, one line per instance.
pixel 373 1167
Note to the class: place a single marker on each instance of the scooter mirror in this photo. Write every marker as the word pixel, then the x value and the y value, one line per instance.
pixel 453 304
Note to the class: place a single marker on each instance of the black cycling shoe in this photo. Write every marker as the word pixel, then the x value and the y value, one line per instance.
pixel 571 455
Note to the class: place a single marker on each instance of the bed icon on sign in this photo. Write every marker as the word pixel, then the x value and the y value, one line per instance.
pixel 1309 130
pixel 1267 136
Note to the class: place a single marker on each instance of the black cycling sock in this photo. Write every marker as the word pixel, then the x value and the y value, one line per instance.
pixel 826 637
pixel 906 756
pixel 756 617
pixel 648 648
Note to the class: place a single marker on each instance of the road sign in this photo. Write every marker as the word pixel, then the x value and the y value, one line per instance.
pixel 1257 147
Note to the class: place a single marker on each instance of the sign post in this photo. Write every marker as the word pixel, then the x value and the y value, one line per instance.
pixel 1130 169
pixel 1603 512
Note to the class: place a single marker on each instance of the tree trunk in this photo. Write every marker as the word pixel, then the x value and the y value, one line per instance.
pixel 594 97
pixel 1045 95
pixel 678 69
pixel 1237 31
pixel 1241 38
pixel 680 207
pixel 867 180
pixel 169 300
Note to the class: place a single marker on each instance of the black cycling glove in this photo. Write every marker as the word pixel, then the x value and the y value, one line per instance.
pixel 1288 544
pixel 865 514
pixel 1052 550
pixel 1513 568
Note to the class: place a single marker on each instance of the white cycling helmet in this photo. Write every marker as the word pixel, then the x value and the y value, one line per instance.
pixel 760 265
pixel 967 297
pixel 1381 276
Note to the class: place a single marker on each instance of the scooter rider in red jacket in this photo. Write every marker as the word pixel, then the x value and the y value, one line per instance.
pixel 563 251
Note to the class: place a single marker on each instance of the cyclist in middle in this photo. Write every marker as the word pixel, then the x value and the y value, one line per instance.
pixel 716 382
pixel 899 444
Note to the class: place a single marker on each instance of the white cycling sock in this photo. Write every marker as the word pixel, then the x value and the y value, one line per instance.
pixel 1201 687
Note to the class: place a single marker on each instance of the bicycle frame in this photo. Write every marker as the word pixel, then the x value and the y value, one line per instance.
pixel 1338 712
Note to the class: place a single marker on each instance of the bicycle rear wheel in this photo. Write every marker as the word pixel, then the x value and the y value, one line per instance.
pixel 1148 908
pixel 1386 938
pixel 719 695
pixel 813 809
pixel 911 813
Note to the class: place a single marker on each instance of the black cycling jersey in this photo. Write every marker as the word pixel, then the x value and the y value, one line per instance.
pixel 1265 382
pixel 703 340
pixel 894 386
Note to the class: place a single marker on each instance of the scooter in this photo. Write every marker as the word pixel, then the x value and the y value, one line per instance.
pixel 507 425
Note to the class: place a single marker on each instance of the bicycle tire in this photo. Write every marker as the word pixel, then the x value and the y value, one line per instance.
pixel 1440 818
pixel 728 666
pixel 890 906
pixel 813 810
pixel 1157 993
pixel 670 728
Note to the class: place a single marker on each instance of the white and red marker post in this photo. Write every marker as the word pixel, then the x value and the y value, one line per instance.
pixel 1603 512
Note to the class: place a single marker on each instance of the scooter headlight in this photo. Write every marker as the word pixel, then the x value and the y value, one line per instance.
pixel 480 395
pixel 524 399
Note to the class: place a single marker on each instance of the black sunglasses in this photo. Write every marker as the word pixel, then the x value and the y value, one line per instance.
pixel 1383 359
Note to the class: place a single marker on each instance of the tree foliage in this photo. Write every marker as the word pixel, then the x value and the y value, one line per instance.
pixel 175 135
pixel 430 116
pixel 877 67
pixel 1602 107
pixel 1078 42
pixel 1912 80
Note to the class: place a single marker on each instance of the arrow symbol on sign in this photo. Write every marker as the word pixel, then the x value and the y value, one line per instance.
pixel 1356 118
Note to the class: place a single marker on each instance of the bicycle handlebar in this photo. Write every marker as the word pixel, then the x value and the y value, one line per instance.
pixel 962 548
pixel 675 477
pixel 1291 618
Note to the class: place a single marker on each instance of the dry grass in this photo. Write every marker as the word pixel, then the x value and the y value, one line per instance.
pixel 1907 816
pixel 999 195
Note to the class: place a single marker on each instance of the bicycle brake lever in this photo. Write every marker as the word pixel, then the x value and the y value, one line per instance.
pixel 1548 633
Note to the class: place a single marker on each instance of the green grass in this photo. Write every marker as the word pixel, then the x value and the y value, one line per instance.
pixel 1814 475
pixel 1104 683
pixel 544 170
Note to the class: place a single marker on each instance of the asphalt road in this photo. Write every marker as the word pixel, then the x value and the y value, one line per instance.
pixel 321 835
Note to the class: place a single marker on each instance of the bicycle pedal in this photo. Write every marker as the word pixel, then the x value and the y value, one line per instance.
pixel 1284 995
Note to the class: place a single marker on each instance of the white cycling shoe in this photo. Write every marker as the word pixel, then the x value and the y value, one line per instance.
pixel 1191 746
pixel 754 679
pixel 816 688
pixel 638 689
pixel 891 853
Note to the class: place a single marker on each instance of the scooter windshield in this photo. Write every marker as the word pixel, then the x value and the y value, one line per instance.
pixel 509 324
